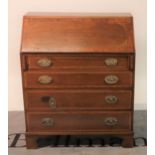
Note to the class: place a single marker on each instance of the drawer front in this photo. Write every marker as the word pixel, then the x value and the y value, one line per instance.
pixel 76 61
pixel 77 80
pixel 51 100
pixel 84 121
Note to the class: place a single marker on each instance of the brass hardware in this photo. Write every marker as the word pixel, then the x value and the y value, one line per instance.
pixel 44 62
pixel 111 61
pixel 45 79
pixel 111 121
pixel 52 102
pixel 111 99
pixel 47 122
pixel 111 79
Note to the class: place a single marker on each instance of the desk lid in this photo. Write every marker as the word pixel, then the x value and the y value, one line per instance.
pixel 81 33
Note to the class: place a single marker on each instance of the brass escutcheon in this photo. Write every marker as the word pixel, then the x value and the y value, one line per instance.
pixel 52 102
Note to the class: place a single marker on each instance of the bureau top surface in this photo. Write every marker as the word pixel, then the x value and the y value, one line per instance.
pixel 77 33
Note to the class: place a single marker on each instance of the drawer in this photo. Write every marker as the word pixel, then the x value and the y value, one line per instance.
pixel 77 80
pixel 82 121
pixel 78 61
pixel 52 100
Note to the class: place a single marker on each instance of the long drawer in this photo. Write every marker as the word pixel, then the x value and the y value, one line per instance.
pixel 78 61
pixel 52 100
pixel 76 80
pixel 78 121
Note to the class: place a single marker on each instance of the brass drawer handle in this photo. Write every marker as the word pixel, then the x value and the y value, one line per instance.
pixel 44 62
pixel 111 121
pixel 50 101
pixel 45 79
pixel 111 61
pixel 47 122
pixel 111 99
pixel 111 79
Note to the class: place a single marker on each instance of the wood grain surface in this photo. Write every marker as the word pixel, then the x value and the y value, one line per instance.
pixel 87 35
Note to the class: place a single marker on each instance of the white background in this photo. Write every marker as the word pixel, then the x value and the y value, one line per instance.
pixel 17 8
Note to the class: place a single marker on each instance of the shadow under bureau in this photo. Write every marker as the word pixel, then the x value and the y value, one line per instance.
pixel 78 75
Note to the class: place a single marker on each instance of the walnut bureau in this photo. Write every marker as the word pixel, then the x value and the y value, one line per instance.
pixel 78 75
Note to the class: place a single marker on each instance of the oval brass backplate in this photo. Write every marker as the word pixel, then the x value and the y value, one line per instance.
pixel 111 61
pixel 45 79
pixel 111 79
pixel 47 122
pixel 111 121
pixel 44 62
pixel 111 99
